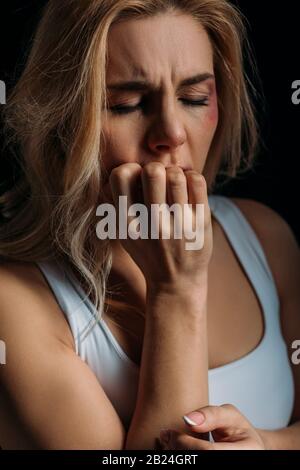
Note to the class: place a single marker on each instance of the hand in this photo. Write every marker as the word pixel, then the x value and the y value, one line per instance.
pixel 165 261
pixel 230 431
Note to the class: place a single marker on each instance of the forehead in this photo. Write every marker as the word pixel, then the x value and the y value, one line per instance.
pixel 168 42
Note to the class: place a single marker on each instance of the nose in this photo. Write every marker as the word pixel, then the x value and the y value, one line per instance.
pixel 167 133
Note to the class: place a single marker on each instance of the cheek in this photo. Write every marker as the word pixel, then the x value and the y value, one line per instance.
pixel 208 125
pixel 213 112
pixel 205 133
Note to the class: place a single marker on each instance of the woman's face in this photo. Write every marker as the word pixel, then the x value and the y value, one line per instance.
pixel 161 93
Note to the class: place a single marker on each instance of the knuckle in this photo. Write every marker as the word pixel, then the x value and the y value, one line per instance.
pixel 175 177
pixel 119 172
pixel 229 407
pixel 214 411
pixel 113 174
pixel 195 176
pixel 154 170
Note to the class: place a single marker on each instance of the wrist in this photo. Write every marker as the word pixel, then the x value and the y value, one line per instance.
pixel 177 299
pixel 182 287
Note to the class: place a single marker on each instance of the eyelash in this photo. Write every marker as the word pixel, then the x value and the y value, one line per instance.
pixel 132 109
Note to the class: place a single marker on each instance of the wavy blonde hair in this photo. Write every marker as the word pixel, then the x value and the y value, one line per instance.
pixel 54 117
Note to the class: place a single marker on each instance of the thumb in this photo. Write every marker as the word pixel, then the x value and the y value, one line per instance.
pixel 209 418
pixel 195 418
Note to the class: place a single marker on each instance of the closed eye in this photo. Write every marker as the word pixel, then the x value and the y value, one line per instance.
pixel 122 109
pixel 202 102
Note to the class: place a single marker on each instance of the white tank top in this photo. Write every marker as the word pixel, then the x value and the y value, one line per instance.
pixel 260 384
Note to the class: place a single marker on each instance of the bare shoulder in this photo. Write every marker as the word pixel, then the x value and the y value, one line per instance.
pixel 278 242
pixel 267 223
pixel 26 297
pixel 50 388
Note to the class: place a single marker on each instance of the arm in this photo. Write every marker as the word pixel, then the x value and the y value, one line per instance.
pixel 174 369
pixel 282 439
pixel 230 429
pixel 54 393
pixel 283 254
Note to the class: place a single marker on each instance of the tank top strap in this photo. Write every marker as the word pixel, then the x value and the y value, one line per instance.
pixel 250 254
pixel 74 307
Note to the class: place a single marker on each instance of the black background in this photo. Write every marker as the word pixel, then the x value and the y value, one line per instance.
pixel 273 29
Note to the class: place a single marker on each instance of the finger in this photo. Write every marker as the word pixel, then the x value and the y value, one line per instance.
pixel 197 192
pixel 182 441
pixel 196 186
pixel 242 444
pixel 225 417
pixel 154 183
pixel 124 180
pixel 124 183
pixel 176 186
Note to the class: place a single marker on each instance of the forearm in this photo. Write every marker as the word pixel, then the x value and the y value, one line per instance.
pixel 282 439
pixel 174 367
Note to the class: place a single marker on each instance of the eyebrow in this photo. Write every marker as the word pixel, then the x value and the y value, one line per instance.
pixel 142 85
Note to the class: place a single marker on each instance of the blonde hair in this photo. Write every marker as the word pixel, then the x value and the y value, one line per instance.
pixel 53 120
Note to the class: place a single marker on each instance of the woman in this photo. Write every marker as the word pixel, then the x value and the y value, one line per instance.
pixel 145 99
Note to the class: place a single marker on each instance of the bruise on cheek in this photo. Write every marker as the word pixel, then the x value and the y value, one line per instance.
pixel 213 112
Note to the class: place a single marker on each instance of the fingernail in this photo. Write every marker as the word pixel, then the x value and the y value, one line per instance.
pixel 194 419
pixel 165 435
